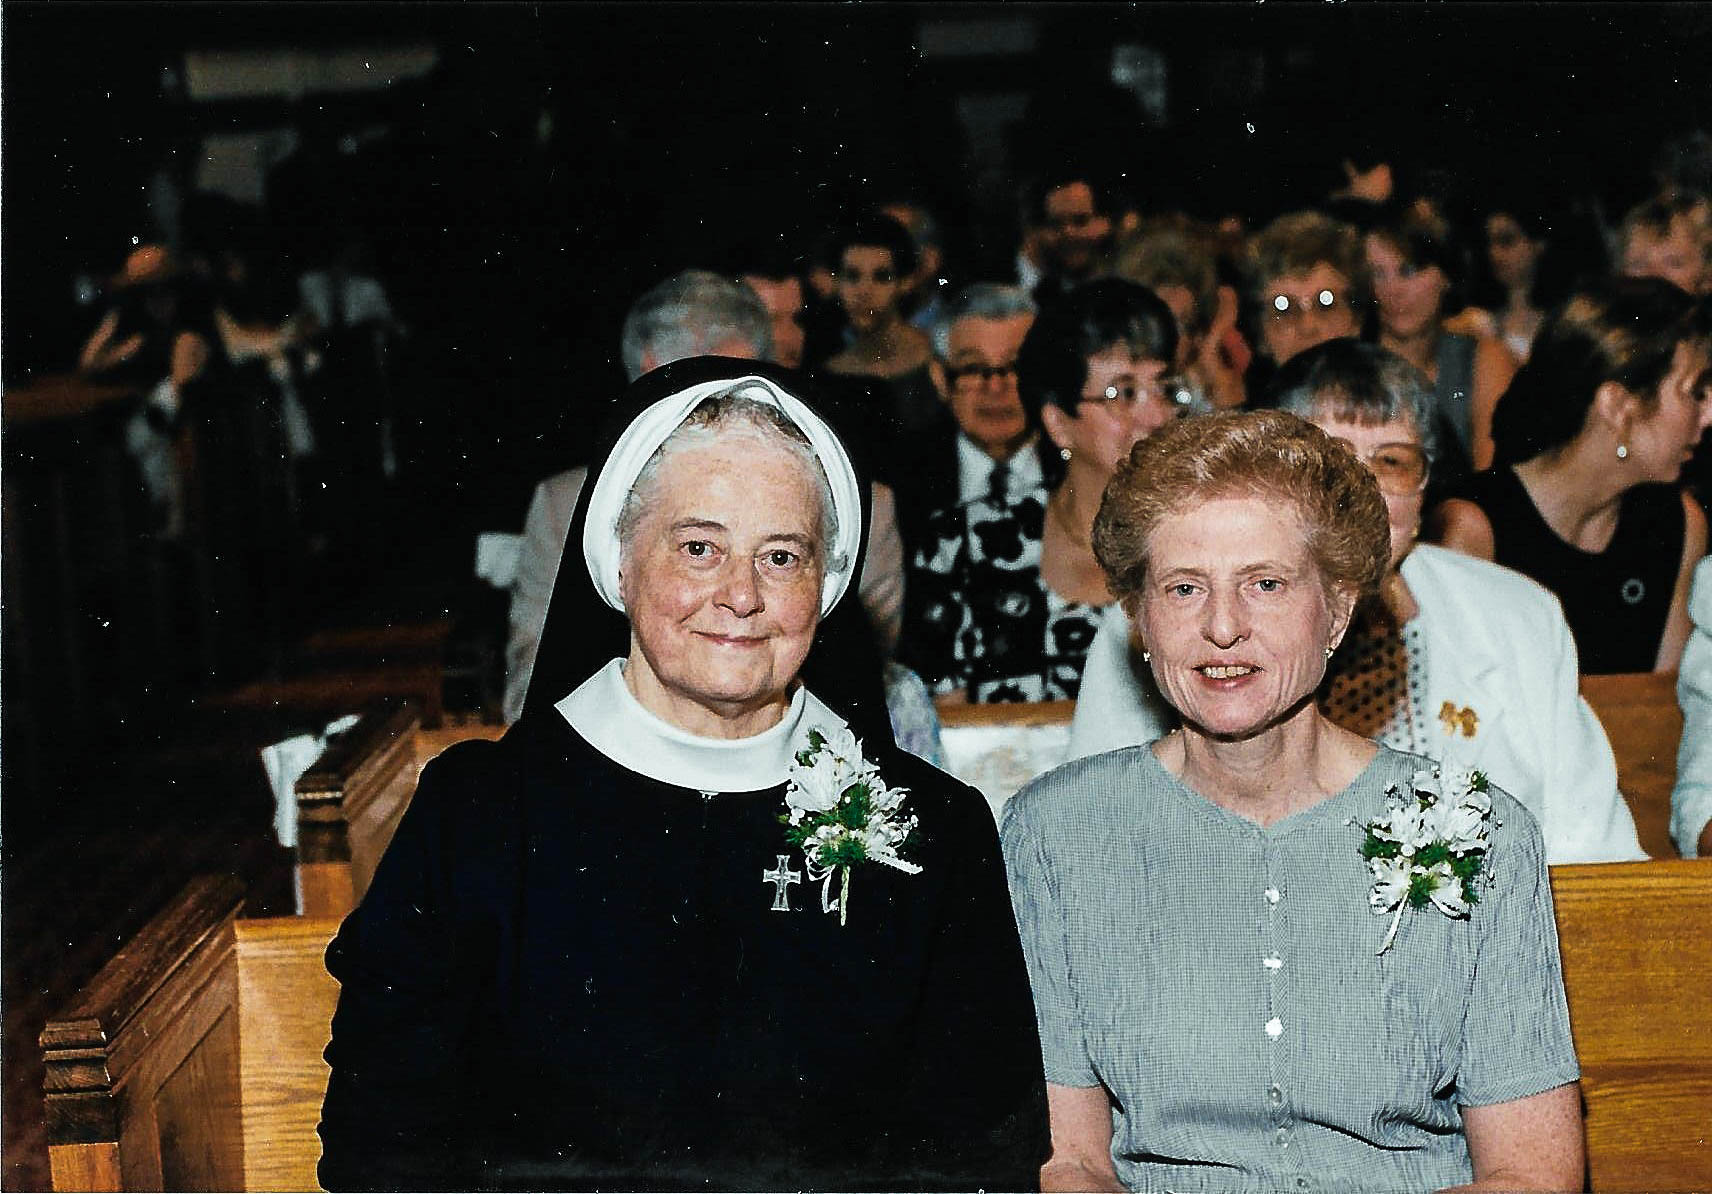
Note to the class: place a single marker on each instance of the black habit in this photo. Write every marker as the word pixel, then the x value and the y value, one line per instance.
pixel 568 975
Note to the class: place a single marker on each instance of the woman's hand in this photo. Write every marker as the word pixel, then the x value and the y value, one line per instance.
pixel 1533 1143
pixel 100 354
pixel 1081 1140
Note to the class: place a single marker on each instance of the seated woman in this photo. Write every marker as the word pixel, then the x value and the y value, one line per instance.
pixel 1003 594
pixel 1268 954
pixel 872 259
pixel 1416 269
pixel 1592 437
pixel 679 928
pixel 1457 659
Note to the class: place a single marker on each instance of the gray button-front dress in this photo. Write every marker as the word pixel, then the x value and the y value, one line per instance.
pixel 1222 981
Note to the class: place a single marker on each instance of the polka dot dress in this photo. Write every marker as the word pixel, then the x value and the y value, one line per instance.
pixel 1376 685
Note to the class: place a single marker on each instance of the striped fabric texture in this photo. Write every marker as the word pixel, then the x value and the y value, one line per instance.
pixel 1221 980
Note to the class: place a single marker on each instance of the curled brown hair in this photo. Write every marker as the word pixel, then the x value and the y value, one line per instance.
pixel 1266 454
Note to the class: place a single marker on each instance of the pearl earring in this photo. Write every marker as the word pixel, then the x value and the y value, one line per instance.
pixel 1329 651
pixel 1622 451
pixel 1147 656
pixel 1064 455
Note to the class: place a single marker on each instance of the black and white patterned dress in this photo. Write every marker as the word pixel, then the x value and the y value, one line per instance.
pixel 977 616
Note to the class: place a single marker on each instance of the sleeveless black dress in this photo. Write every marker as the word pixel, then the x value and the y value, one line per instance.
pixel 1615 600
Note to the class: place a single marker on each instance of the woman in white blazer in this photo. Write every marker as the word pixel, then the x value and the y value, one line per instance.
pixel 1464 661
pixel 1691 801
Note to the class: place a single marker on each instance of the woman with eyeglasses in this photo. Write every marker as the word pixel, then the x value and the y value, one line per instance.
pixel 1004 593
pixel 1460 660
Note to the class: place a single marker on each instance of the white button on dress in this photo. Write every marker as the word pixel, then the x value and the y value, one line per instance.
pixel 1275 1028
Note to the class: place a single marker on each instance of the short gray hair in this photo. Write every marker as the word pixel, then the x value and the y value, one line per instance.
pixel 983 300
pixel 692 313
pixel 715 418
pixel 1349 379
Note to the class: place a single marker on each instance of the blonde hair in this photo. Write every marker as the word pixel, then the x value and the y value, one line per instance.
pixel 1266 454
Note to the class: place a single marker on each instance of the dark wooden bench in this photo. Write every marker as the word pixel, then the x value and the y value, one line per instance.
pixel 1644 723
pixel 192 1061
pixel 350 799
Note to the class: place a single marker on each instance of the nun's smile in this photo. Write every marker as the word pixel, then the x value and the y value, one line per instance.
pixel 722 583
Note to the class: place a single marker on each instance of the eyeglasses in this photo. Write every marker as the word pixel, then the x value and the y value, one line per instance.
pixel 1174 392
pixel 971 376
pixel 1285 308
pixel 1400 468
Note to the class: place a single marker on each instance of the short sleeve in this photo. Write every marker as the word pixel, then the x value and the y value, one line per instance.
pixel 1046 949
pixel 1691 799
pixel 1516 1039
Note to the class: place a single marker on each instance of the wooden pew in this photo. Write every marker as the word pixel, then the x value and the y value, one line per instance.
pixel 999 748
pixel 1636 956
pixel 350 800
pixel 192 1061
pixel 1644 723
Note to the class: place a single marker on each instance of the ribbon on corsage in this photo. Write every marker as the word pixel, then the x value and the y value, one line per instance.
pixel 840 813
pixel 1430 848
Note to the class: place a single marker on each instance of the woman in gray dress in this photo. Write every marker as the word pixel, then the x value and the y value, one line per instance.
pixel 1267 953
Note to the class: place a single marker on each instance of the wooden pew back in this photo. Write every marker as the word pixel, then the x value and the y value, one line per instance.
pixel 999 748
pixel 1637 951
pixel 350 800
pixel 1644 723
pixel 192 1061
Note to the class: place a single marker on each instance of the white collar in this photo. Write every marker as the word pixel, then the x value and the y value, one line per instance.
pixel 975 468
pixel 609 717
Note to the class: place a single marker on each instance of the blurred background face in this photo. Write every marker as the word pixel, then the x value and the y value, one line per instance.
pixel 868 287
pixel 928 258
pixel 1181 300
pixel 1075 231
pixel 981 381
pixel 1122 402
pixel 1510 252
pixel 1409 296
pixel 1299 311
pixel 783 298
pixel 1678 256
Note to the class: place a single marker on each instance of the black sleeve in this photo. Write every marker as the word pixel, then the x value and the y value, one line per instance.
pixel 411 961
pixel 978 1092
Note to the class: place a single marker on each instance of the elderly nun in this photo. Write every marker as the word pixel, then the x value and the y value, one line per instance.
pixel 695 922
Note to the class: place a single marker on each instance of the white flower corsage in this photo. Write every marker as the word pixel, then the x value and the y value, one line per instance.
pixel 1431 847
pixel 840 813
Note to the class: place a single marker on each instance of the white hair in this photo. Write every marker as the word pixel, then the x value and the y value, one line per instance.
pixel 722 417
pixel 692 313
pixel 983 300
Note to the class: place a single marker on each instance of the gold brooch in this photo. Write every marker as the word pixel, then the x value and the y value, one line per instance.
pixel 1455 719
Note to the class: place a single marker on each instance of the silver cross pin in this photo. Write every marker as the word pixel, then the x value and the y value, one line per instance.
pixel 781 877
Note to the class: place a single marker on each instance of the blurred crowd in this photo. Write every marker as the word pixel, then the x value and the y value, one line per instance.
pixel 1561 350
